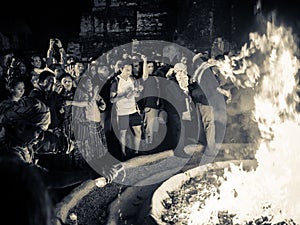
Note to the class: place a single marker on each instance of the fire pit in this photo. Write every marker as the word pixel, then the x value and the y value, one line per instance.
pixel 270 193
pixel 182 198
pixel 173 201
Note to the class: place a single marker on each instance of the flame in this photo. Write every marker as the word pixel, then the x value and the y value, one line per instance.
pixel 270 65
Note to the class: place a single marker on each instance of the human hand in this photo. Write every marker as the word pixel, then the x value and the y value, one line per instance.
pixel 144 58
pixel 68 102
pixel 186 116
pixel 130 94
pixel 57 87
pixel 112 172
pixel 51 43
pixel 58 43
pixel 14 63
pixel 170 72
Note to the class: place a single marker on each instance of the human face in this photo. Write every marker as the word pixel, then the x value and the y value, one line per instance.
pixel 36 62
pixel 18 91
pixel 127 71
pixel 88 85
pixel 28 134
pixel 150 67
pixel 35 80
pixel 22 68
pixel 93 70
pixel 58 71
pixel 67 83
pixel 183 60
pixel 136 69
pixel 70 60
pixel 48 83
pixel 79 68
pixel 103 71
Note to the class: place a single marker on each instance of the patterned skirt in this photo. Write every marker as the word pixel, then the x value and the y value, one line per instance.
pixel 91 140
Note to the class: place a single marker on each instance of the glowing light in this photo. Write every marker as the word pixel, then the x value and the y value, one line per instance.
pixel 272 189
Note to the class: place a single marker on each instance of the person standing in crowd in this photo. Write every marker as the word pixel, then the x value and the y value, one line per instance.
pixel 18 69
pixel 204 87
pixel 21 129
pixel 16 88
pixel 36 64
pixel 79 69
pixel 67 94
pixel 136 66
pixel 56 54
pixel 123 92
pixel 151 102
pixel 88 128
pixel 104 78
pixel 48 93
pixel 87 119
pixel 181 113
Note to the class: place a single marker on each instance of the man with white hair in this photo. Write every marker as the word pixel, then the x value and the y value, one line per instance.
pixel 181 115
pixel 203 89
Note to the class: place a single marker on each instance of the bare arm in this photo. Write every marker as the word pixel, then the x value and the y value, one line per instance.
pixel 50 52
pixel 77 103
pixel 145 68
pixel 114 97
pixel 62 52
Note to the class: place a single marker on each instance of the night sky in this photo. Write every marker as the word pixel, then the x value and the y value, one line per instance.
pixel 46 19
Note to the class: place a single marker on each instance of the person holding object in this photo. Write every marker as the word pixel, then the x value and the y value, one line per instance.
pixel 123 92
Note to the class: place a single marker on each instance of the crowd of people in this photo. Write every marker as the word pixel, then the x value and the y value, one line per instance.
pixel 60 114
pixel 126 97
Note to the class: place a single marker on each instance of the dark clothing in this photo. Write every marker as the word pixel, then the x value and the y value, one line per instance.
pixel 162 71
pixel 25 154
pixel 205 87
pixel 131 120
pixel 197 94
pixel 179 130
pixel 176 97
pixel 151 93
pixel 55 103
pixel 4 93
pixel 6 105
pixel 67 95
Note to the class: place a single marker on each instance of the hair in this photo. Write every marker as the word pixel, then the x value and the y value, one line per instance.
pixel 136 58
pixel 125 62
pixel 12 83
pixel 43 75
pixel 165 59
pixel 29 111
pixel 63 76
pixel 24 197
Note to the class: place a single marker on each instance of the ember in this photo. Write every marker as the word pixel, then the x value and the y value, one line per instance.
pixel 196 189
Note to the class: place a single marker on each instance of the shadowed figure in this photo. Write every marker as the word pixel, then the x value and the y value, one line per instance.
pixel 22 127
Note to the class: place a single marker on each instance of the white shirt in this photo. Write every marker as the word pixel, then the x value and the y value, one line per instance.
pixel 125 106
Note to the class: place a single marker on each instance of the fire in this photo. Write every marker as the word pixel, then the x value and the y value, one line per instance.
pixel 272 189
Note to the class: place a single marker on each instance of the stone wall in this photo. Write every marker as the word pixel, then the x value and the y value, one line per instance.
pixel 194 24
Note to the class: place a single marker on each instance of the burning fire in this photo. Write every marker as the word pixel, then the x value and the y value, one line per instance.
pixel 272 189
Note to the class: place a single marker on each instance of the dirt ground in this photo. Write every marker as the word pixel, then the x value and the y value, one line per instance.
pixel 127 199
